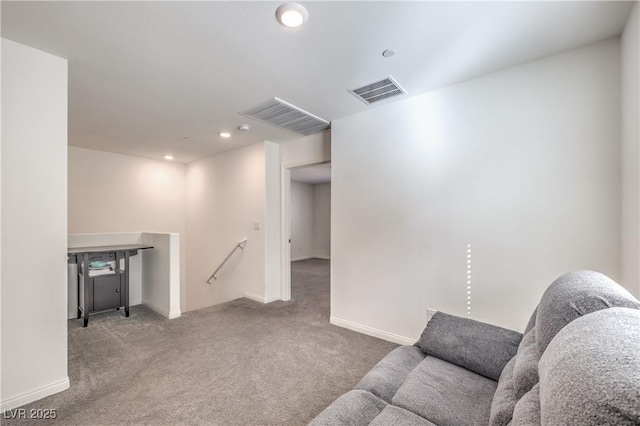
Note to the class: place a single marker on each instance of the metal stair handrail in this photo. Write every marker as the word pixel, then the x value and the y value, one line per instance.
pixel 239 245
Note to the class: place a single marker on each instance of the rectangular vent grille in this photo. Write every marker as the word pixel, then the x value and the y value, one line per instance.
pixel 279 113
pixel 374 92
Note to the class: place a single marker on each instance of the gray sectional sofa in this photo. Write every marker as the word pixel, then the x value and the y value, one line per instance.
pixel 578 363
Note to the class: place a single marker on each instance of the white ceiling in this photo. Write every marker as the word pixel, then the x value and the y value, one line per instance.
pixel 144 75
pixel 312 174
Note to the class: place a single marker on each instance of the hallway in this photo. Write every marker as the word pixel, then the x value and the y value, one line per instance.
pixel 310 285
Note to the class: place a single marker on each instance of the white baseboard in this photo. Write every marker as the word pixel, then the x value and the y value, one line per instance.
pixel 369 331
pixel 174 314
pixel 257 298
pixel 34 395
pixel 161 311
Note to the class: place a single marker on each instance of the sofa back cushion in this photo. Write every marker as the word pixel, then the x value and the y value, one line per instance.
pixel 525 369
pixel 532 321
pixel 504 400
pixel 590 372
pixel 573 295
pixel 569 297
pixel 482 348
pixel 518 378
pixel 527 409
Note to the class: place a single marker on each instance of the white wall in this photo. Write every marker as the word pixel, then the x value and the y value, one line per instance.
pixel 322 220
pixel 631 153
pixel 1 238
pixel 225 199
pixel 523 164
pixel 115 193
pixel 272 222
pixel 310 149
pixel 34 225
pixel 161 273
pixel 302 207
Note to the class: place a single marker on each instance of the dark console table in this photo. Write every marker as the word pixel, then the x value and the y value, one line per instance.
pixel 106 291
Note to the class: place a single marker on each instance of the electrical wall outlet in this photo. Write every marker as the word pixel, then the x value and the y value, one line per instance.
pixel 430 312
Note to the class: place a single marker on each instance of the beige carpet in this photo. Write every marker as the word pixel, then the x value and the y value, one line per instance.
pixel 239 363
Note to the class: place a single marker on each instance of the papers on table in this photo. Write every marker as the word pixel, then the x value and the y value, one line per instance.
pixel 93 272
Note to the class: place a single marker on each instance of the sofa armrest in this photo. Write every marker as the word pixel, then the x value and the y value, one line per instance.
pixel 477 346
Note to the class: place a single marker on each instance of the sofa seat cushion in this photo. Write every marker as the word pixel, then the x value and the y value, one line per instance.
pixel 446 394
pixel 388 375
pixel 393 415
pixel 354 408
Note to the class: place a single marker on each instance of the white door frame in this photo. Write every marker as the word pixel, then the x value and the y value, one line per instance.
pixel 285 224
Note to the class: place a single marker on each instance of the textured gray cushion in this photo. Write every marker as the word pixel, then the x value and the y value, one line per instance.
pixel 590 372
pixel 477 346
pixel 573 295
pixel 388 375
pixel 354 408
pixel 446 394
pixel 505 397
pixel 392 415
pixel 532 321
pixel 527 410
pixel 525 371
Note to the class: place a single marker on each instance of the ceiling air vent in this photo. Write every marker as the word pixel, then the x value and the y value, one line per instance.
pixel 279 113
pixel 374 92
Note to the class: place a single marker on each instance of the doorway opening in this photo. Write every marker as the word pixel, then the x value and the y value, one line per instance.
pixel 306 232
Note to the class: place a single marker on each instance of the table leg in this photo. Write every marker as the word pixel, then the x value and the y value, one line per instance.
pixel 79 302
pixel 85 284
pixel 78 288
pixel 126 284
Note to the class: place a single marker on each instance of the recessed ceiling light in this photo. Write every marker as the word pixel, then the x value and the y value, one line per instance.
pixel 168 157
pixel 244 127
pixel 225 134
pixel 292 15
pixel 388 53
